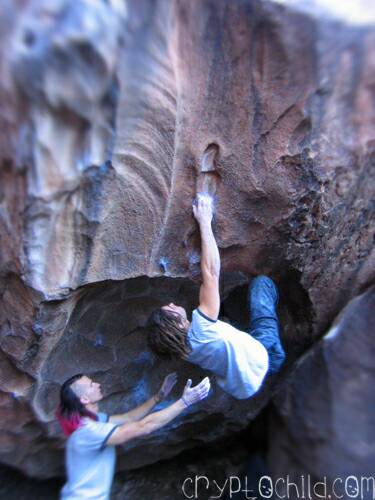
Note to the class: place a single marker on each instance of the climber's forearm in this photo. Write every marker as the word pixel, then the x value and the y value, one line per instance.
pixel 210 257
pixel 137 413
pixel 145 426
pixel 160 418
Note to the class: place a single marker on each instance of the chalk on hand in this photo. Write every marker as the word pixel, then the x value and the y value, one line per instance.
pixel 208 197
pixel 204 194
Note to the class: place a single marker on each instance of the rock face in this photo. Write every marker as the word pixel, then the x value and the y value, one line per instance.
pixel 323 425
pixel 113 117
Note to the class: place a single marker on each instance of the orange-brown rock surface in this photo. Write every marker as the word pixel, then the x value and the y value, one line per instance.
pixel 322 425
pixel 113 116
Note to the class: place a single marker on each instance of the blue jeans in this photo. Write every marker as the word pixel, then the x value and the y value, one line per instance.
pixel 264 324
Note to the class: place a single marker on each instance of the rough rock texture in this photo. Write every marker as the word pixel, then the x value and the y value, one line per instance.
pixel 113 117
pixel 323 423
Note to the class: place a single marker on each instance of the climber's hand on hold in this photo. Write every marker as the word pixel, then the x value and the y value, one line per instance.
pixel 192 395
pixel 203 208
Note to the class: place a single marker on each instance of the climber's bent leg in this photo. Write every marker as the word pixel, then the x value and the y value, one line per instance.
pixel 264 323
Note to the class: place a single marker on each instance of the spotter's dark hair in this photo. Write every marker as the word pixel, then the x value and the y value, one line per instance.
pixel 71 410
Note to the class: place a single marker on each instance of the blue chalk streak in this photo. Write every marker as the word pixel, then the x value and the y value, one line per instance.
pixel 99 341
pixel 163 263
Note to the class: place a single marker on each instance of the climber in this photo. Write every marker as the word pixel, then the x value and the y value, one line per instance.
pixel 92 436
pixel 239 360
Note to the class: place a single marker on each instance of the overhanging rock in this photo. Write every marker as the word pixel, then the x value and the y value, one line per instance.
pixel 103 148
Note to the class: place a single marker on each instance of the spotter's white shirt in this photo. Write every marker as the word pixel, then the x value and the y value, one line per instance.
pixel 90 462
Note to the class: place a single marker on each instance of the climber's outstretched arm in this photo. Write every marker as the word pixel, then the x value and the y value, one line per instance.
pixel 209 297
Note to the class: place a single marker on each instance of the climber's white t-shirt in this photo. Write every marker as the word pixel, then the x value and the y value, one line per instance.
pixel 239 361
pixel 90 463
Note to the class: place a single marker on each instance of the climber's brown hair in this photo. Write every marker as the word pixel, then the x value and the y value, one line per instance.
pixel 166 336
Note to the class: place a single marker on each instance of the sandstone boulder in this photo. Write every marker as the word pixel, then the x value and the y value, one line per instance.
pixel 322 424
pixel 113 117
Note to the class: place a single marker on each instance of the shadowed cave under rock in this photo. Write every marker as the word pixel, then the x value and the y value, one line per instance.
pixel 107 328
pixel 106 338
